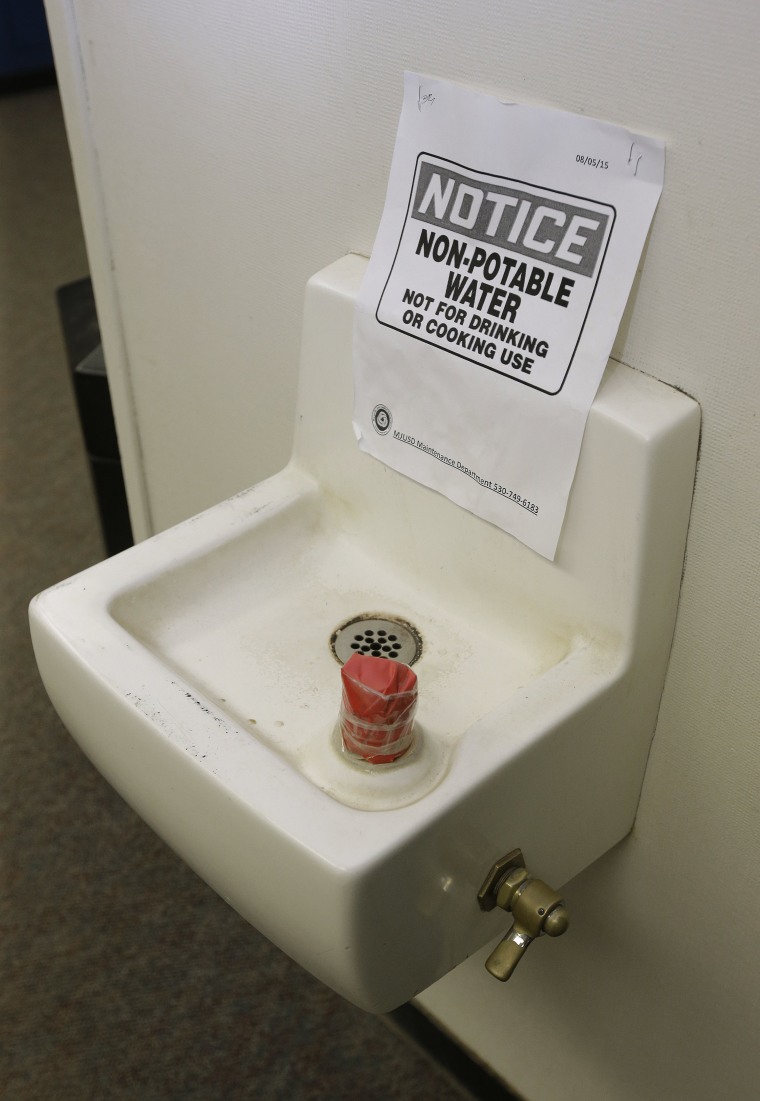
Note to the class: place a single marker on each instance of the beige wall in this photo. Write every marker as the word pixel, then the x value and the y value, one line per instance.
pixel 225 150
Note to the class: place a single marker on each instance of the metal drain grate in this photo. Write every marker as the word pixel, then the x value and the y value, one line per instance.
pixel 378 636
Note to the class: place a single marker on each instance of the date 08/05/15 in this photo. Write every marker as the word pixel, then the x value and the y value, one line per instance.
pixel 592 162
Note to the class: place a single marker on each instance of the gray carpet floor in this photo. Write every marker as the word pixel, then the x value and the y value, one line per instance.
pixel 122 976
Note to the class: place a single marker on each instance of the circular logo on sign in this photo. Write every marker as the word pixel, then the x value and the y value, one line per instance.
pixel 382 419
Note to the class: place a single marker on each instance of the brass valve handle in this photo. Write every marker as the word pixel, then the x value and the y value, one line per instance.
pixel 536 908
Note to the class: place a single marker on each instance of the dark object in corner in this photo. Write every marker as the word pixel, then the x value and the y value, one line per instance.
pixel 76 306
pixel 477 1082
pixel 26 59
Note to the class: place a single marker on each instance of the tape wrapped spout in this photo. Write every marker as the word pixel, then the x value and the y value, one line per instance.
pixel 378 705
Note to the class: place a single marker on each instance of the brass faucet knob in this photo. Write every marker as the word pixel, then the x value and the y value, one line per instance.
pixel 536 907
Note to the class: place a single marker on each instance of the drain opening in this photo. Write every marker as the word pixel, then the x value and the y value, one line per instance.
pixel 378 636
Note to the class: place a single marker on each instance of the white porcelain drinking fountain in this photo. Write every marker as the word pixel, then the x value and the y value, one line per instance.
pixel 198 672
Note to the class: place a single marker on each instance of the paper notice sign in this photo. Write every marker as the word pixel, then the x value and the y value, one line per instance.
pixel 505 255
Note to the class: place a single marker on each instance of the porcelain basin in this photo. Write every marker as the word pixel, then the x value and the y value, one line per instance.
pixel 247 624
pixel 196 670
